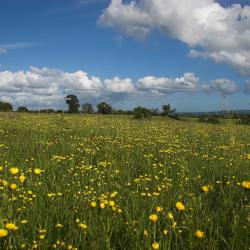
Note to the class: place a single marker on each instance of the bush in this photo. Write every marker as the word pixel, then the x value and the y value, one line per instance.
pixel 212 120
pixel 142 113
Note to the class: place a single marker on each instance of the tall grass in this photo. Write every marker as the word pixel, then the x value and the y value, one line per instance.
pixel 103 176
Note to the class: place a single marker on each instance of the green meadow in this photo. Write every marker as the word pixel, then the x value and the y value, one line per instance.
pixel 112 182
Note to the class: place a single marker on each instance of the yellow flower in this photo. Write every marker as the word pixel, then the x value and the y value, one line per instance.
pixel 170 215
pixel 14 171
pixel 42 237
pixel 165 231
pixel 199 234
pixel 145 232
pixel 159 209
pixel 93 204
pixel 153 217
pixel 180 206
pixel 205 189
pixel 111 203
pixel 246 184
pixel 37 171
pixel 1 168
pixel 58 225
pixel 3 233
pixel 13 186
pixel 102 205
pixel 155 245
pixel 83 226
pixel 22 178
pixel 11 226
pixel 23 221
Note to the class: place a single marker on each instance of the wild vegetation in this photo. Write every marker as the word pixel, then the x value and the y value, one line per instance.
pixel 113 182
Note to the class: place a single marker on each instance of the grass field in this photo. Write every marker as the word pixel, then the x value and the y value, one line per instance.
pixel 111 182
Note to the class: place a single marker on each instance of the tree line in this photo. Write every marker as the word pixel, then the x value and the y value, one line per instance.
pixel 74 107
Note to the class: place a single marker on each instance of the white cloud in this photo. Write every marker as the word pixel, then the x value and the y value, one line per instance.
pixel 45 87
pixel 117 85
pixel 188 82
pixel 223 34
pixel 225 86
pixel 4 48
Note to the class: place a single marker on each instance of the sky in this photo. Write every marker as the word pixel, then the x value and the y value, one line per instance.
pixel 192 54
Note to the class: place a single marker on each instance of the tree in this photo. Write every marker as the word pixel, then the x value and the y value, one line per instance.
pixel 22 109
pixel 141 112
pixel 87 108
pixel 5 107
pixel 104 108
pixel 73 104
pixel 167 110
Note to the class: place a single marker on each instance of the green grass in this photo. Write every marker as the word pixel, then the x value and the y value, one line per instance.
pixel 140 165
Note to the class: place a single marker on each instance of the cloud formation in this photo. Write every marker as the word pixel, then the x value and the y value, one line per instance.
pixel 213 31
pixel 4 48
pixel 45 87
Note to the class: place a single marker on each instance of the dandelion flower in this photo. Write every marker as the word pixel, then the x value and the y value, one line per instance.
pixel 93 204
pixel 37 171
pixel 246 184
pixel 3 233
pixel 14 171
pixel 153 217
pixel 180 206
pixel 205 189
pixel 199 234
pixel 159 209
pixel 155 245
pixel 11 226
pixel 22 178
pixel 13 186
pixel 102 205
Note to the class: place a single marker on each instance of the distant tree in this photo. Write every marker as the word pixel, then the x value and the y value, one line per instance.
pixel 155 112
pixel 141 112
pixel 73 104
pixel 5 107
pixel 87 108
pixel 167 110
pixel 22 109
pixel 104 108
pixel 47 111
pixel 59 111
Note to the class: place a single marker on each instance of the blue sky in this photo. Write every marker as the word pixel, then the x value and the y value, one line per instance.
pixel 52 40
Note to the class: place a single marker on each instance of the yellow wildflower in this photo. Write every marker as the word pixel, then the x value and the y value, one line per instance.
pixel 37 171
pixel 93 204
pixel 199 234
pixel 159 209
pixel 153 217
pixel 13 186
pixel 22 178
pixel 180 206
pixel 246 184
pixel 11 226
pixel 170 216
pixel 205 189
pixel 14 171
pixel 155 245
pixel 3 233
pixel 102 205
pixel 83 226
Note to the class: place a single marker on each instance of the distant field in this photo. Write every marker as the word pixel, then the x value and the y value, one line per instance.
pixel 111 182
